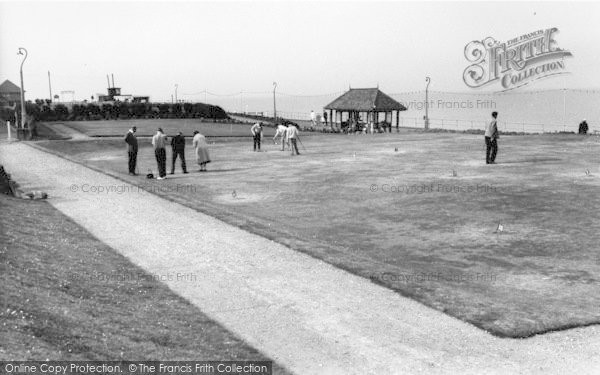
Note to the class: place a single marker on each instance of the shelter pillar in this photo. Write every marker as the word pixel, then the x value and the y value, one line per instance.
pixel 331 118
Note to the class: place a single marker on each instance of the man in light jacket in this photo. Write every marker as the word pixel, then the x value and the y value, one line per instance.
pixel 292 134
pixel 159 141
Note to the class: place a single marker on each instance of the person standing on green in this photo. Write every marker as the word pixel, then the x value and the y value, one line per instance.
pixel 256 130
pixel 132 150
pixel 178 147
pixel 159 141
pixel 292 134
pixel 491 140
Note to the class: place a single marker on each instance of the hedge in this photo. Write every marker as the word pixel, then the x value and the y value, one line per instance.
pixel 42 110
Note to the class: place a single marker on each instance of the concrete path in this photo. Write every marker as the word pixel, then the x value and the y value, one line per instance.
pixel 307 315
pixel 69 132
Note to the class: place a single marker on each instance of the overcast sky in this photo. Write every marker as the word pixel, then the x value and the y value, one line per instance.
pixel 307 47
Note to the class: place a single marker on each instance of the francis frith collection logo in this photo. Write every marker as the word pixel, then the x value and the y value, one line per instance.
pixel 514 63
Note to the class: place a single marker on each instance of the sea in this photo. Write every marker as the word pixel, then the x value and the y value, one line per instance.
pixel 545 111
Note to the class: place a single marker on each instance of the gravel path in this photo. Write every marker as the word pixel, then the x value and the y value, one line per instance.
pixel 69 132
pixel 307 315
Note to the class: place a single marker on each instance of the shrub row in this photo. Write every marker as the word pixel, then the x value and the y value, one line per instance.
pixel 44 111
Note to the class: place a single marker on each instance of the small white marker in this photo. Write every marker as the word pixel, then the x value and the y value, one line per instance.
pixel 500 228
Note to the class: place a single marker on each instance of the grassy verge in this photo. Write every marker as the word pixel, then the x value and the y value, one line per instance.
pixel 55 305
pixel 432 235
pixel 118 128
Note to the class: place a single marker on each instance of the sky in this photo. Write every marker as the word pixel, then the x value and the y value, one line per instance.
pixel 308 48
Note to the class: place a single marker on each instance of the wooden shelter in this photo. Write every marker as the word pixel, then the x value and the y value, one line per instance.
pixel 370 101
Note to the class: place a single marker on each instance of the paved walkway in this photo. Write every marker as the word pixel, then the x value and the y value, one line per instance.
pixel 307 315
pixel 69 132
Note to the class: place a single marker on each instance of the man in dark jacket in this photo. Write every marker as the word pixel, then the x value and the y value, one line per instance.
pixel 132 149
pixel 491 140
pixel 178 146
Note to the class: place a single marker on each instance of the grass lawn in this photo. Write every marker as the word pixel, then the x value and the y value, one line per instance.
pixel 421 220
pixel 54 305
pixel 170 127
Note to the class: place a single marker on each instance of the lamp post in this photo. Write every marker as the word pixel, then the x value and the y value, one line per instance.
pixel 274 105
pixel 176 94
pixel 22 51
pixel 428 80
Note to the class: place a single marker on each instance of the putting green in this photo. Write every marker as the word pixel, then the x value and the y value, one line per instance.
pixel 422 220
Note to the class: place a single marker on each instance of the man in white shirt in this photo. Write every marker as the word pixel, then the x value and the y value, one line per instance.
pixel 159 141
pixel 313 118
pixel 292 135
pixel 491 140
pixel 281 132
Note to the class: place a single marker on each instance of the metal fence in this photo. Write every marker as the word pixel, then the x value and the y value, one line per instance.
pixel 463 125
pixel 450 124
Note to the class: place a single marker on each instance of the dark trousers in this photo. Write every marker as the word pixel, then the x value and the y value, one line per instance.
pixel 161 160
pixel 257 142
pixel 294 146
pixel 181 154
pixel 491 150
pixel 132 160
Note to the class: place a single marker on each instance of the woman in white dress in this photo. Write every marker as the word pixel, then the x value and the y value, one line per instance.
pixel 201 148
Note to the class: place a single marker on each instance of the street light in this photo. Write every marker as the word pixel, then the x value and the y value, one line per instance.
pixel 428 80
pixel 274 106
pixel 21 50
pixel 176 94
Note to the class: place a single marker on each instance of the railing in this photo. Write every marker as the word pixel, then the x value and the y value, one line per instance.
pixel 448 124
pixel 506 126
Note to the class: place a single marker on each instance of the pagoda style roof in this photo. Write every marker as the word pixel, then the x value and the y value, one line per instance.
pixel 365 100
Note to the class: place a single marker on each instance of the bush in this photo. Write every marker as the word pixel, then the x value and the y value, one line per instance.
pixel 92 111
pixel 8 114
pixel 139 110
pixel 78 112
pixel 164 110
pixel 43 110
pixel 33 110
pixel 106 111
pixel 61 112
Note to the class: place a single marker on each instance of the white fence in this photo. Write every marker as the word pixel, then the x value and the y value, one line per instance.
pixel 453 124
pixel 506 126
